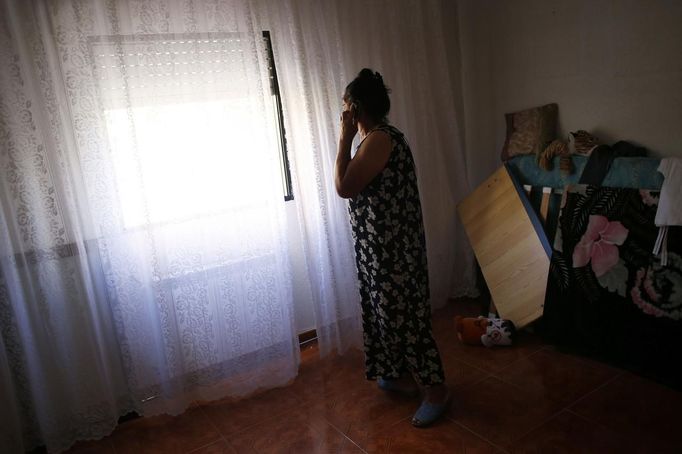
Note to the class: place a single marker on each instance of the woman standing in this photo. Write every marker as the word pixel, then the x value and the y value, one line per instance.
pixel 386 219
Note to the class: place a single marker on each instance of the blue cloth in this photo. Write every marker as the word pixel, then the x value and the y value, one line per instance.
pixel 624 172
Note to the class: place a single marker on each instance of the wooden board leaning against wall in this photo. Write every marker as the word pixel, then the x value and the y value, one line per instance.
pixel 510 246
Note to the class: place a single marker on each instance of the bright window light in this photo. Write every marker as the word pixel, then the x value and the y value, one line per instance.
pixel 180 161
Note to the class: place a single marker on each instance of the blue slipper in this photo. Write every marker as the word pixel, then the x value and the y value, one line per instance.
pixel 390 385
pixel 428 413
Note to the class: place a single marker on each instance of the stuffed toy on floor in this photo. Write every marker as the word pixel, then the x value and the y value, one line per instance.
pixel 484 331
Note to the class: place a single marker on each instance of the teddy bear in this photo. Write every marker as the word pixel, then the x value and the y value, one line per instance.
pixel 484 331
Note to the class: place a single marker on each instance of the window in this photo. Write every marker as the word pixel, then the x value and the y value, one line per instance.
pixel 189 127
pixel 274 89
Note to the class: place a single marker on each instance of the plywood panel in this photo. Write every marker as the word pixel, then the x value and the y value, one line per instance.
pixel 508 243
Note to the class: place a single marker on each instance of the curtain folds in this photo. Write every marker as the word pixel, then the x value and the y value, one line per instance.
pixel 143 257
pixel 62 370
pixel 405 41
pixel 143 242
pixel 313 77
pixel 328 43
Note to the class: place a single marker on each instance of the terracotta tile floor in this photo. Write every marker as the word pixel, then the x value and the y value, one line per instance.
pixel 526 398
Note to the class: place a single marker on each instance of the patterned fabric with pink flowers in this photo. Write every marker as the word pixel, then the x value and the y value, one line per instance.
pixel 607 295
pixel 599 245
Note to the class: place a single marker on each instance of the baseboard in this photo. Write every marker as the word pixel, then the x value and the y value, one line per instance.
pixel 307 336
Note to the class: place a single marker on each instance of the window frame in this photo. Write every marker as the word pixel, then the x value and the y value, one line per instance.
pixel 274 89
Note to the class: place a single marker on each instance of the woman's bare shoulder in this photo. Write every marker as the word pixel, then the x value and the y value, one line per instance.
pixel 378 138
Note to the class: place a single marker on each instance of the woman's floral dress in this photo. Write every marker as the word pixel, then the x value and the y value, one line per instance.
pixel 390 250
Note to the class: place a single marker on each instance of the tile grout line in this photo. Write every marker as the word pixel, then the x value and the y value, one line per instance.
pixel 220 432
pixel 552 416
pixel 209 444
pixel 480 369
pixel 573 402
pixel 566 408
pixel 542 423
pixel 513 385
pixel 590 420
pixel 539 350
pixel 111 438
pixel 561 409
pixel 607 382
pixel 469 385
pixel 343 434
pixel 567 405
pixel 586 418
pixel 518 387
pixel 314 429
pixel 524 356
pixel 474 366
pixel 581 358
pixel 495 445
pixel 252 425
pixel 111 442
pixel 353 441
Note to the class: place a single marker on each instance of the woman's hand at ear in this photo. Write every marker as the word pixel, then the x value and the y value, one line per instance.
pixel 349 124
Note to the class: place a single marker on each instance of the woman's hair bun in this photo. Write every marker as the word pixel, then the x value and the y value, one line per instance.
pixel 369 91
pixel 366 73
pixel 373 76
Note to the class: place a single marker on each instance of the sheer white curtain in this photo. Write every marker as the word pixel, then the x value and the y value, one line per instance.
pixel 142 241
pixel 184 170
pixel 61 370
pixel 327 43
pixel 313 76
pixel 404 40
pixel 142 230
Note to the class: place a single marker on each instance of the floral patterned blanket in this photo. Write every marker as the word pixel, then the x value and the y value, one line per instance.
pixel 607 294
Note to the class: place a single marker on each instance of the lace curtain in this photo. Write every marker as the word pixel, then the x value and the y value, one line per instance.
pixel 140 262
pixel 328 42
pixel 308 48
pixel 143 237
pixel 405 41
pixel 412 56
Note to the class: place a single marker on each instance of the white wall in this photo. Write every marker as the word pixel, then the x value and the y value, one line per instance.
pixel 613 66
